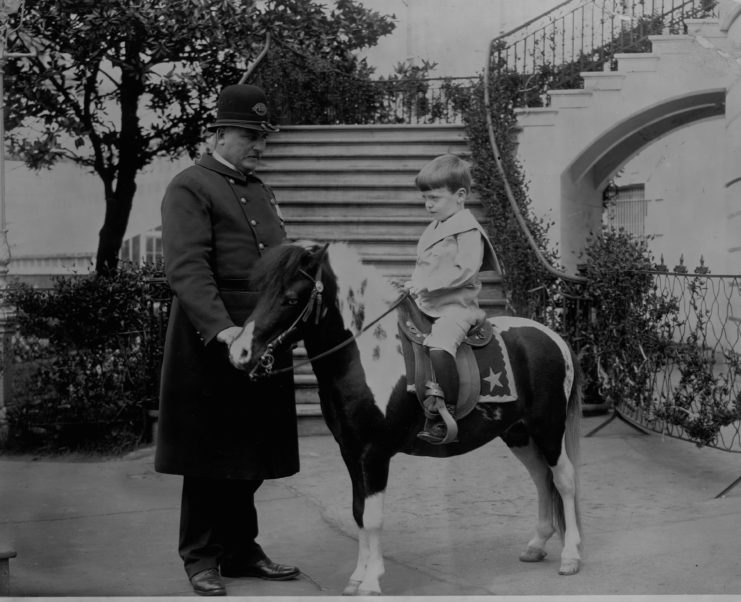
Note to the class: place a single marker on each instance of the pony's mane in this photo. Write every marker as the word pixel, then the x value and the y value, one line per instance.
pixel 363 293
pixel 275 270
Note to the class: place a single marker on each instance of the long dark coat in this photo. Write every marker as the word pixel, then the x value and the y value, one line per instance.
pixel 213 422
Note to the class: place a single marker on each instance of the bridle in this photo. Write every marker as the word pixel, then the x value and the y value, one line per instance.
pixel 264 365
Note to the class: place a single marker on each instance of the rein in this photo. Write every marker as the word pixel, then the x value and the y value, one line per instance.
pixel 266 361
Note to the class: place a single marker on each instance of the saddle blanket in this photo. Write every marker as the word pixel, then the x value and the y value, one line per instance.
pixel 495 370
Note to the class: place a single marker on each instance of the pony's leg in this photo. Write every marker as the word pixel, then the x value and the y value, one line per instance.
pixel 538 468
pixel 564 478
pixel 368 513
pixel 358 496
pixel 370 537
pixel 358 574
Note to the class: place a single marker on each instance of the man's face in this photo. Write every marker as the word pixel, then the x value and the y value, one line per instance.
pixel 241 147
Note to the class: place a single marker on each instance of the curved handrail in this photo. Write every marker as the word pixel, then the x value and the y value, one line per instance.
pixel 508 189
pixel 257 61
pixel 531 21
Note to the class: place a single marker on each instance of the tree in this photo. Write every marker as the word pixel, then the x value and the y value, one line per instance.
pixel 115 84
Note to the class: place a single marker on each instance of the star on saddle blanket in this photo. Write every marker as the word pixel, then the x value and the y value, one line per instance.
pixel 484 368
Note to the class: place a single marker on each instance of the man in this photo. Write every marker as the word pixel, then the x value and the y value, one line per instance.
pixel 223 433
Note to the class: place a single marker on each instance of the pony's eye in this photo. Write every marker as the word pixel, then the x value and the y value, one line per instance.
pixel 291 301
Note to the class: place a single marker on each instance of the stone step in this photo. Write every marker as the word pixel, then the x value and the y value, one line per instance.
pixel 327 227
pixel 598 81
pixel 569 99
pixel 671 44
pixel 358 163
pixel 399 148
pixel 379 200
pixel 637 62
pixel 355 180
pixel 358 134
pixel 361 209
pixel 704 27
pixel 535 117
pixel 379 197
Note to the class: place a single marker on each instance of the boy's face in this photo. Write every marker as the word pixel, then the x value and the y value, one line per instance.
pixel 441 203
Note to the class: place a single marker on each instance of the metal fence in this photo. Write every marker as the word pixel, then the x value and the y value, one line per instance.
pixel 678 376
pixel 430 100
pixel 693 386
pixel 392 101
pixel 551 50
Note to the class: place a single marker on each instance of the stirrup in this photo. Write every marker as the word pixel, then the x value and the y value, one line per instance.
pixel 451 435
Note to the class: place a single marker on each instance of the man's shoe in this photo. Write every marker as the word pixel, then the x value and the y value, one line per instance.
pixel 208 583
pixel 263 569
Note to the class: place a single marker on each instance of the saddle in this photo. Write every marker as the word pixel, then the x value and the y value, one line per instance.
pixel 414 326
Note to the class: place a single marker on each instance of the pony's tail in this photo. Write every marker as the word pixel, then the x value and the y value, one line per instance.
pixel 572 438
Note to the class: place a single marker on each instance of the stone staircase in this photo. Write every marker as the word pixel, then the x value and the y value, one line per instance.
pixel 597 128
pixel 355 184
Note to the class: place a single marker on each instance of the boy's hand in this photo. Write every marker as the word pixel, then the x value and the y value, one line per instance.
pixel 410 288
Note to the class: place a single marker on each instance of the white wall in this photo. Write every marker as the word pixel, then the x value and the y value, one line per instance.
pixel 685 170
pixel 453 33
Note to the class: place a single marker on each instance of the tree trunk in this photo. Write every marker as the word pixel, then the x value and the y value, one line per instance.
pixel 110 237
pixel 118 200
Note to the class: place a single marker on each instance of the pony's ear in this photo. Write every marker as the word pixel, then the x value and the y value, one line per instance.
pixel 309 245
pixel 319 252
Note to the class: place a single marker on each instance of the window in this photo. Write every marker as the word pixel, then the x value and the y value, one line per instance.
pixel 628 209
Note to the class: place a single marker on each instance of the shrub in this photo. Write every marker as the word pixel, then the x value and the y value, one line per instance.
pixel 92 349
pixel 629 319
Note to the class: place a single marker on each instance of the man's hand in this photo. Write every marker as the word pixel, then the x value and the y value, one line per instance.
pixel 228 335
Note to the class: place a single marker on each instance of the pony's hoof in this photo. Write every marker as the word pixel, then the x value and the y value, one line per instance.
pixel 533 555
pixel 351 589
pixel 569 566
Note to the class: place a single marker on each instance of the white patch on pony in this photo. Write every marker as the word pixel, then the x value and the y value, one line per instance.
pixel 363 295
pixel 504 323
pixel 373 512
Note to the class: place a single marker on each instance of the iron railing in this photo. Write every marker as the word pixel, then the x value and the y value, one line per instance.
pixel 679 377
pixel 392 101
pixel 551 50
pixel 692 381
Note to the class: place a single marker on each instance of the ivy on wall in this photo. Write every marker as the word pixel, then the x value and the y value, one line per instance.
pixel 628 332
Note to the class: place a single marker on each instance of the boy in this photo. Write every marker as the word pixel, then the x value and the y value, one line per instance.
pixel 445 281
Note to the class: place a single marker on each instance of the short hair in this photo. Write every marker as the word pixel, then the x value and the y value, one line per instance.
pixel 446 171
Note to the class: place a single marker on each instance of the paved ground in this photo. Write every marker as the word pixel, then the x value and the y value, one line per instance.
pixel 452 527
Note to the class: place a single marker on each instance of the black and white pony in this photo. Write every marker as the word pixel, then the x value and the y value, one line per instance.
pixel 327 297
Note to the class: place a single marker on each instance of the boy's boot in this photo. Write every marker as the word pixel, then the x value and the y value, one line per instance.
pixel 445 372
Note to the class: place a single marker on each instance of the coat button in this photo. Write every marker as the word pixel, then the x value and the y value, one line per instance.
pixel 253 222
pixel 243 200
pixel 231 180
pixel 261 246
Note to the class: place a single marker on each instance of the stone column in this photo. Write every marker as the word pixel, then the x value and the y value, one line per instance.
pixel 730 24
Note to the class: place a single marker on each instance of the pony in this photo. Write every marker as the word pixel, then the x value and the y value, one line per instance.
pixel 346 314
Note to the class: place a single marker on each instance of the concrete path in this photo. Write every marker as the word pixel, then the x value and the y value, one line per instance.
pixel 453 527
